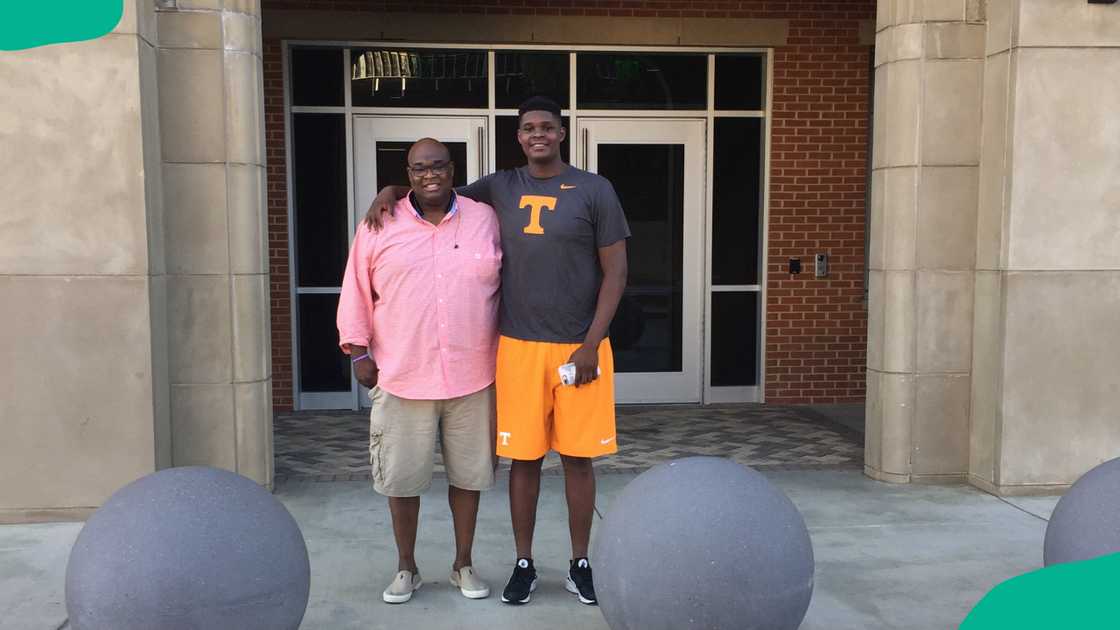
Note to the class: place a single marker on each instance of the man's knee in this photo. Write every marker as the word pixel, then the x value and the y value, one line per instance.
pixel 526 465
pixel 577 465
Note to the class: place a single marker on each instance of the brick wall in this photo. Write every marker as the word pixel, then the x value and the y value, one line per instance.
pixel 816 334
pixel 816 331
pixel 279 276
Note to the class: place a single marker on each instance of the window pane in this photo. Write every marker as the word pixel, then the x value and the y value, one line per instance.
pixel 649 178
pixel 392 158
pixel 402 77
pixel 734 339
pixel 316 75
pixel 519 75
pixel 319 173
pixel 736 200
pixel 508 153
pixel 740 82
pixel 641 81
pixel 322 365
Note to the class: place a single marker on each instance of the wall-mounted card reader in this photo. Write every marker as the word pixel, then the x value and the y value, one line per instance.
pixel 821 268
pixel 794 265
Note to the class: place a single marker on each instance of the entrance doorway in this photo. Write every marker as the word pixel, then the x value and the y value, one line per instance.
pixel 657 169
pixel 681 134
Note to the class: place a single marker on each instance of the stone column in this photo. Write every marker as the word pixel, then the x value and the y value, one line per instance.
pixel 925 163
pixel 1046 394
pixel 211 114
pixel 83 388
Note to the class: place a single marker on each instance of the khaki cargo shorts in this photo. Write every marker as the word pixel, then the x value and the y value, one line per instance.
pixel 402 440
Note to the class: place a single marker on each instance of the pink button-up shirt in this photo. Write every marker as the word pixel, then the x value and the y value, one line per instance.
pixel 424 299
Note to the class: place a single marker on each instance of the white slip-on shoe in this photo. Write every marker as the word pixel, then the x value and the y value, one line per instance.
pixel 403 586
pixel 469 583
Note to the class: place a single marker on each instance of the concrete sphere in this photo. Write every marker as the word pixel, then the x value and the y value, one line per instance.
pixel 189 549
pixel 703 543
pixel 1086 521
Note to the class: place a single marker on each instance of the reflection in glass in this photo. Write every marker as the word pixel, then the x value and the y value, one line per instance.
pixel 428 77
pixel 507 151
pixel 649 179
pixel 392 158
pixel 736 200
pixel 641 81
pixel 519 75
pixel 734 339
pixel 316 75
pixel 319 188
pixel 740 82
pixel 322 365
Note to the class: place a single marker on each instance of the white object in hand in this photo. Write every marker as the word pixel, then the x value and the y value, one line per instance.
pixel 568 373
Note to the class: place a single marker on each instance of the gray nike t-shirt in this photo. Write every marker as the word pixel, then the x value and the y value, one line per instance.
pixel 552 230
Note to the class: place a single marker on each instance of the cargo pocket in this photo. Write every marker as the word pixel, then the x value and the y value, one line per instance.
pixel 376 446
pixel 376 440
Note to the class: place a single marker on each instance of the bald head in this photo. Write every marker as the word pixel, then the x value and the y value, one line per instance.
pixel 429 148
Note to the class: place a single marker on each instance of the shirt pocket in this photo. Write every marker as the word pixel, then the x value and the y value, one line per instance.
pixel 475 313
pixel 484 266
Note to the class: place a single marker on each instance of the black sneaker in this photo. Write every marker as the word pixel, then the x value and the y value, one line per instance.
pixel 521 583
pixel 579 582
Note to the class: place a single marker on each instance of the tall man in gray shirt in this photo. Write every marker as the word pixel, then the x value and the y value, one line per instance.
pixel 564 270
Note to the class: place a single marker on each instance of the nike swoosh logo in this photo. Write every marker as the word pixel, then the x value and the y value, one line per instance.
pixel 606 441
pixel 566 187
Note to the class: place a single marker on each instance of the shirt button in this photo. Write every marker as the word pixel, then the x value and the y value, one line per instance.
pixel 441 300
pixel 439 275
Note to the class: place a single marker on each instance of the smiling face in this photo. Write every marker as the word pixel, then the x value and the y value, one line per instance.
pixel 430 173
pixel 540 134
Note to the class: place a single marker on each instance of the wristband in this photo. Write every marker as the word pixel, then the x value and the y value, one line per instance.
pixel 364 356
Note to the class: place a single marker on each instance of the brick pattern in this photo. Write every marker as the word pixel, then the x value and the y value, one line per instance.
pixel 278 258
pixel 334 446
pixel 816 331
pixel 816 335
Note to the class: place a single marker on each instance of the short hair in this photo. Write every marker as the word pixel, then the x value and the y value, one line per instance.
pixel 539 104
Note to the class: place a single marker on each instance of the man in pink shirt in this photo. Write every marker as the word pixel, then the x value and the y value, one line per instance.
pixel 418 315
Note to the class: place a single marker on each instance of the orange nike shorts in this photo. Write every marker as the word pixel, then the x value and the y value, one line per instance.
pixel 537 413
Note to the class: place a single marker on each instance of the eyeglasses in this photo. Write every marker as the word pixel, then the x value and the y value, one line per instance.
pixel 438 169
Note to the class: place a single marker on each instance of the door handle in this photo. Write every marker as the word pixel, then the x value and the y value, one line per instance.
pixel 586 149
pixel 482 165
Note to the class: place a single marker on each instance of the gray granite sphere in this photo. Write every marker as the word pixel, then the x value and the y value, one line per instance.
pixel 189 548
pixel 703 543
pixel 1086 522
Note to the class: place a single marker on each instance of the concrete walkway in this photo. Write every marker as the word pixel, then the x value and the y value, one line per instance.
pixel 906 557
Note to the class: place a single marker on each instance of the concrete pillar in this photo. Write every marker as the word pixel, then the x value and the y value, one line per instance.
pixel 212 139
pixel 83 380
pixel 1046 394
pixel 925 163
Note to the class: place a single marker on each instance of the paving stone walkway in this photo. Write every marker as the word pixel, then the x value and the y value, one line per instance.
pixel 332 446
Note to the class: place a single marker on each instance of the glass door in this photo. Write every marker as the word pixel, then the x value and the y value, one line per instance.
pixel 381 146
pixel 657 168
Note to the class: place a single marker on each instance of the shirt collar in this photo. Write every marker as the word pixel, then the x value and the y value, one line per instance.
pixel 415 205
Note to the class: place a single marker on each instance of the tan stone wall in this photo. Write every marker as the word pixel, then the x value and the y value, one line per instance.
pixel 923 219
pixel 212 131
pixel 1047 343
pixel 132 258
pixel 84 403
pixel 995 243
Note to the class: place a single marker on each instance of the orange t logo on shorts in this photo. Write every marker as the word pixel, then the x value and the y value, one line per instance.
pixel 536 203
